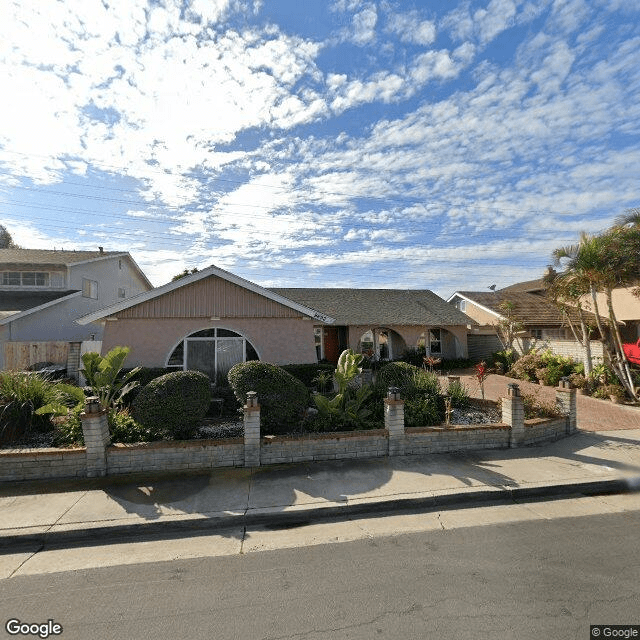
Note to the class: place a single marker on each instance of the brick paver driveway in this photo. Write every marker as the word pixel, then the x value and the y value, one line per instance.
pixel 593 415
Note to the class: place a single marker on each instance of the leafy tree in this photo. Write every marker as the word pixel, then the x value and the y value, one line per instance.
pixel 509 325
pixel 6 241
pixel 184 274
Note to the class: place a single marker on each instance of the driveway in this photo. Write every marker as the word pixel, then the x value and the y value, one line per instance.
pixel 593 414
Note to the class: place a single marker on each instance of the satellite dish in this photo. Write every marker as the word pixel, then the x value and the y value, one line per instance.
pixel 492 287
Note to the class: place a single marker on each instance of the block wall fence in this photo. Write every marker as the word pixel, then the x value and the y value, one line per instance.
pixel 99 458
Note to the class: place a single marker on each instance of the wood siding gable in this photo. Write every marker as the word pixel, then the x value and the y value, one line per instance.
pixel 210 297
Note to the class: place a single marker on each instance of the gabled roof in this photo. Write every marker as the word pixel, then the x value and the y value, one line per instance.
pixel 531 309
pixel 17 259
pixel 380 307
pixel 195 277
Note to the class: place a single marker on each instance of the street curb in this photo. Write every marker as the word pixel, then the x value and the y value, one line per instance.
pixel 300 517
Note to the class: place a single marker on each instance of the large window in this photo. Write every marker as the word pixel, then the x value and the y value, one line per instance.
pixel 213 351
pixel 25 279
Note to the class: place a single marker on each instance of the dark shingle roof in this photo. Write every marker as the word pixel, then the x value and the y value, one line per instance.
pixel 380 307
pixel 21 258
pixel 16 301
pixel 530 308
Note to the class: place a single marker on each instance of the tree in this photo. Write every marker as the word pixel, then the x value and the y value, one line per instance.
pixel 567 290
pixel 509 325
pixel 184 274
pixel 599 264
pixel 6 241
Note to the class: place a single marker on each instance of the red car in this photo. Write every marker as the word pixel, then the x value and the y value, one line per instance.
pixel 632 351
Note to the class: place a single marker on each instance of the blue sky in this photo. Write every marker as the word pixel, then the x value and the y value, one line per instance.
pixel 440 145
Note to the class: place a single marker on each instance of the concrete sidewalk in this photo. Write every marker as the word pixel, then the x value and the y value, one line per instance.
pixel 65 512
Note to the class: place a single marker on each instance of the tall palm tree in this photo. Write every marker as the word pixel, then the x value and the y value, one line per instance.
pixel 567 290
pixel 600 264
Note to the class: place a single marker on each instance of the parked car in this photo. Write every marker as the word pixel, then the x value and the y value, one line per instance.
pixel 52 370
pixel 632 351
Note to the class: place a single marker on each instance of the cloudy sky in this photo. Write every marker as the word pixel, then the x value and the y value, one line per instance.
pixel 427 144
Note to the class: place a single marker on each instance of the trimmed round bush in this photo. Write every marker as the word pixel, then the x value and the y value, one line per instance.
pixel 173 404
pixel 283 399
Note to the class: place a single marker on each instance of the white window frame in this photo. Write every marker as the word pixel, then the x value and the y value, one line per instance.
pixel 45 276
pixel 185 365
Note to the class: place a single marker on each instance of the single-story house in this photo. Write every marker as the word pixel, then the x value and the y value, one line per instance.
pixel 384 323
pixel 212 319
pixel 543 323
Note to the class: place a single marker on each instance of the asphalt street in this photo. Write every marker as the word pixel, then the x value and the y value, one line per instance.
pixel 546 578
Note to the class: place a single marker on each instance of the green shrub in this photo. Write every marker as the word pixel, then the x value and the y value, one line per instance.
pixel 420 390
pixel 144 376
pixel 424 411
pixel 21 395
pixel 283 399
pixel 67 429
pixel 525 367
pixel 504 360
pixel 458 393
pixel 537 407
pixel 123 428
pixel 414 356
pixel 306 373
pixel 409 379
pixel 174 404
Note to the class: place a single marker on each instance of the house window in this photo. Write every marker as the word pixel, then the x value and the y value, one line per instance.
pixel 536 333
pixel 89 289
pixel 25 278
pixel 213 351
pixel 435 341
pixel 122 293
pixel 463 305
pixel 11 278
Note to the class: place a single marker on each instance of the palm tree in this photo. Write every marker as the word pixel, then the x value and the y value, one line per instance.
pixel 600 264
pixel 567 290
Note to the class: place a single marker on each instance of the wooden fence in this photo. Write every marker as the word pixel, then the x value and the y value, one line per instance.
pixel 21 355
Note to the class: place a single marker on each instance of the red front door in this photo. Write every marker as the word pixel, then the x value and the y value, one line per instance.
pixel 331 344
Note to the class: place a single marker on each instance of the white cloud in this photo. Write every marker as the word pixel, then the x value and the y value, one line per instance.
pixel 364 25
pixel 412 29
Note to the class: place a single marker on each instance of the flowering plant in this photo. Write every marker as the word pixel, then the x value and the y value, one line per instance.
pixel 482 373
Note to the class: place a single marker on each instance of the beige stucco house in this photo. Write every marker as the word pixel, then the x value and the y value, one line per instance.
pixel 212 319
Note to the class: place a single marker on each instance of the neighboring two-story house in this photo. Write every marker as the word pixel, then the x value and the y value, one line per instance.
pixel 43 292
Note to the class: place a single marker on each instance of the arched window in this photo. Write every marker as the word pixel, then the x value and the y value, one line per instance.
pixel 213 351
